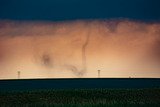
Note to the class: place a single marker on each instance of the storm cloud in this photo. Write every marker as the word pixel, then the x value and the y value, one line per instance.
pixel 70 49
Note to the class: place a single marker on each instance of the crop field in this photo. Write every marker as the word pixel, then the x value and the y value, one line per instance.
pixel 80 92
pixel 149 97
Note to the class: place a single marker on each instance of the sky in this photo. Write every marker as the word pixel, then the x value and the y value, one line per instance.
pixel 76 38
pixel 79 9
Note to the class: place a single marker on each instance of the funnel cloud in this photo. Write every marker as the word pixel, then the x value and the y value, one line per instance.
pixel 73 49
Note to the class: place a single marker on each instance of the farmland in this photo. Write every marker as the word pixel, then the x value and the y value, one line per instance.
pixel 86 92
pixel 82 97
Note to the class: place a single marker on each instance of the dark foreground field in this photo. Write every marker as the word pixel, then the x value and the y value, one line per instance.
pixel 82 97
pixel 86 92
pixel 78 83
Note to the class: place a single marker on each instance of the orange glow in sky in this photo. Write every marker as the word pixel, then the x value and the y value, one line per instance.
pixel 73 49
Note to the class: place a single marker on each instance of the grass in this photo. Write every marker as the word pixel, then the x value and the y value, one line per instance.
pixel 82 97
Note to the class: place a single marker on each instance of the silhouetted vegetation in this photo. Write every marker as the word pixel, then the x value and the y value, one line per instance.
pixel 82 97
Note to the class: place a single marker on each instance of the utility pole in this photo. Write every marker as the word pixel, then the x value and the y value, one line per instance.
pixel 99 71
pixel 19 74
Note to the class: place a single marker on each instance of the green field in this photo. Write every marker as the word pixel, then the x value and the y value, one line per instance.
pixel 82 97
